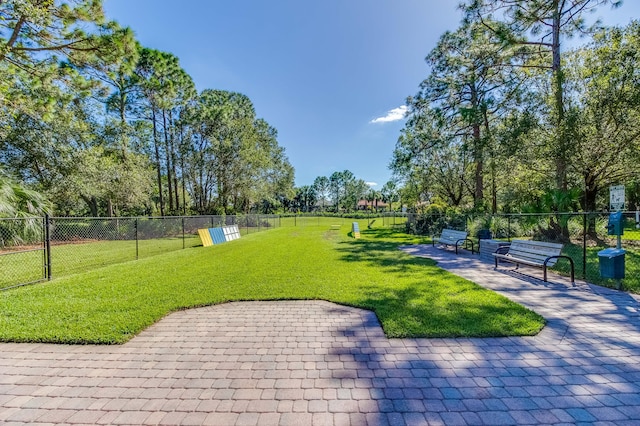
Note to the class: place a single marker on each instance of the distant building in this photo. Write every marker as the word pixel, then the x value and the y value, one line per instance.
pixel 376 205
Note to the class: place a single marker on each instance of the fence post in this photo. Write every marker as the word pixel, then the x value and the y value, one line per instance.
pixel 584 245
pixel 509 227
pixel 47 239
pixel 183 243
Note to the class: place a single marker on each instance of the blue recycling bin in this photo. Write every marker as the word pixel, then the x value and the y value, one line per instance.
pixel 611 263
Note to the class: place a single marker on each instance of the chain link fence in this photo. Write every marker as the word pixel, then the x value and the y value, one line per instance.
pixel 31 251
pixel 582 234
pixel 22 251
pixel 374 219
pixel 36 249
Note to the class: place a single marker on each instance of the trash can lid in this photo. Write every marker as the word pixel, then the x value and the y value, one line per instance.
pixel 611 252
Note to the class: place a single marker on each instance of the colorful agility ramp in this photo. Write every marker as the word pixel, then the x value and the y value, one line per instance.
pixel 211 236
pixel 355 229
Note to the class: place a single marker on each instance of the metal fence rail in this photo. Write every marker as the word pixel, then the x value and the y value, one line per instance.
pixel 37 249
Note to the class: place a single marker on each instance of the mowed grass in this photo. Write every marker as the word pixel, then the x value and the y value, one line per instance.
pixel 411 296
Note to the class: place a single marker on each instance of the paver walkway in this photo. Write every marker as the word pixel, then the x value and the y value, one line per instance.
pixel 315 362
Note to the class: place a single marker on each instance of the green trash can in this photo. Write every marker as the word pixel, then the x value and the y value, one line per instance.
pixel 611 263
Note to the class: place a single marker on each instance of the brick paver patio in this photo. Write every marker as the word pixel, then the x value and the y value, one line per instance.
pixel 315 362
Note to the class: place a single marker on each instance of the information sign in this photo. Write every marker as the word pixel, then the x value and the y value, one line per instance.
pixel 616 198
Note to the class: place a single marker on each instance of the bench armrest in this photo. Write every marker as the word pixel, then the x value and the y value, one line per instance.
pixel 466 240
pixel 560 257
pixel 502 250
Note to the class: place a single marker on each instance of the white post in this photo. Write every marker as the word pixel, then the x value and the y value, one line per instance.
pixel 637 218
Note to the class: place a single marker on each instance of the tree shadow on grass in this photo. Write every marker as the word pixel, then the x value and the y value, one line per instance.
pixel 421 310
pixel 377 250
pixel 418 299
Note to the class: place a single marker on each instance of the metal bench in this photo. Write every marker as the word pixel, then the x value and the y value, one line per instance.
pixel 533 253
pixel 451 237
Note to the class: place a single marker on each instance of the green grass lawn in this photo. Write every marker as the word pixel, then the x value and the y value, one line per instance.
pixel 411 296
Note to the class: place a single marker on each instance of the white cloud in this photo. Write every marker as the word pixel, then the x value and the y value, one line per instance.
pixel 395 114
pixel 371 183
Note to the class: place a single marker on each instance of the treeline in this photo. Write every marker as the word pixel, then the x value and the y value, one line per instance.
pixel 510 119
pixel 341 192
pixel 103 126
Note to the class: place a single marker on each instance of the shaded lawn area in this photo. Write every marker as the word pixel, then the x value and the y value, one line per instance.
pixel 410 295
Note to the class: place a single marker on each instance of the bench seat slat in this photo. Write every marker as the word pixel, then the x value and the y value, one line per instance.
pixel 526 261
pixel 531 257
pixel 532 246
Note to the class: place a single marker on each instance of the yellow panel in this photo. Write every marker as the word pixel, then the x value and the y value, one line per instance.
pixel 205 237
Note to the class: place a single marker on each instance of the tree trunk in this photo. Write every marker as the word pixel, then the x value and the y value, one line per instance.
pixel 479 175
pixel 158 166
pixel 478 154
pixel 184 188
pixel 168 160
pixel 92 203
pixel 123 120
pixel 494 191
pixel 110 208
pixel 561 145
pixel 590 194
pixel 172 142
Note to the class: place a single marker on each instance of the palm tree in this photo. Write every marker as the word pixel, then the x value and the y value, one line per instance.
pixel 16 201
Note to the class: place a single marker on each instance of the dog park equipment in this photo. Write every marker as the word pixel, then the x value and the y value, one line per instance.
pixel 355 229
pixel 219 235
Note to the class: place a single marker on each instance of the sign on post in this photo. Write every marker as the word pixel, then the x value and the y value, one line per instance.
pixel 616 198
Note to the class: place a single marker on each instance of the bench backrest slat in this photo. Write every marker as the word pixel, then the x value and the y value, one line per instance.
pixel 535 251
pixel 452 234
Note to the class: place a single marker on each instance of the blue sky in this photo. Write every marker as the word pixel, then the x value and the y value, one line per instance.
pixel 329 75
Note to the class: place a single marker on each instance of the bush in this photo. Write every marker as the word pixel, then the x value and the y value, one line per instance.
pixel 433 224
pixel 17 232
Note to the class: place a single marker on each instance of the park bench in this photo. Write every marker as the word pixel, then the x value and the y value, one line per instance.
pixel 451 237
pixel 533 253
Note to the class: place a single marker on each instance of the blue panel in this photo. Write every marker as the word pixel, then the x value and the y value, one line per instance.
pixel 217 235
pixel 212 231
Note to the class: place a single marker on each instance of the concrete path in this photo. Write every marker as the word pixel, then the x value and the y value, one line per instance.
pixel 315 362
